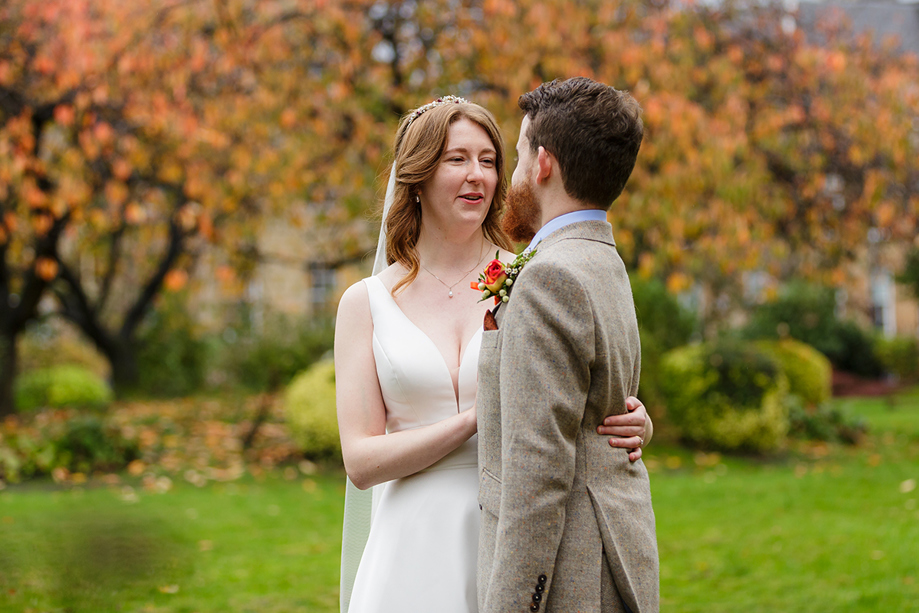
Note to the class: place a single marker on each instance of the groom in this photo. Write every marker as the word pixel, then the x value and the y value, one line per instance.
pixel 566 525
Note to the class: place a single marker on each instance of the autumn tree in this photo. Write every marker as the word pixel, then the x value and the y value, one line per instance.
pixel 105 198
pixel 768 149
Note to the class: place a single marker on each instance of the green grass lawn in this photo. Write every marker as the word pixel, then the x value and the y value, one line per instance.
pixel 822 528
pixel 249 546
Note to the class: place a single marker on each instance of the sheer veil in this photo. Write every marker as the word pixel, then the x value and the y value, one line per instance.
pixel 360 505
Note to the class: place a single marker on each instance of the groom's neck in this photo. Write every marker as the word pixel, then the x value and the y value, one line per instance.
pixel 561 206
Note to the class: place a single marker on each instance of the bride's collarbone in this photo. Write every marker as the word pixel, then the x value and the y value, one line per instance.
pixel 449 326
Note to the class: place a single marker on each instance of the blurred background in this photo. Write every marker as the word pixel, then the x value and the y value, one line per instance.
pixel 188 186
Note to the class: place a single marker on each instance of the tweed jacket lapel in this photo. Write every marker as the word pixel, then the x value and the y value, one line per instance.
pixel 599 231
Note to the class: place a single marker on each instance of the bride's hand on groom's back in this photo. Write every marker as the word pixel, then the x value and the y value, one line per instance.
pixel 630 430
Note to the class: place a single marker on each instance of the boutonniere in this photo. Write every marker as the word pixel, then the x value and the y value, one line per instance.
pixel 498 277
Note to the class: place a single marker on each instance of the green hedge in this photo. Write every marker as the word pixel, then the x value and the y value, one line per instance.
pixel 808 313
pixel 727 396
pixel 900 356
pixel 309 405
pixel 809 372
pixel 68 386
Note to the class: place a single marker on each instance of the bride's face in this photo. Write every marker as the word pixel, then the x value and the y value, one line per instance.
pixel 463 186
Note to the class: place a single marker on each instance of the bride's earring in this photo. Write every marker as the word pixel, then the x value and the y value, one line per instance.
pixel 417 199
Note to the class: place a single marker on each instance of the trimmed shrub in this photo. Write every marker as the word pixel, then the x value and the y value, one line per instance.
pixel 809 373
pixel 727 396
pixel 900 356
pixel 62 386
pixel 309 405
pixel 858 355
pixel 808 313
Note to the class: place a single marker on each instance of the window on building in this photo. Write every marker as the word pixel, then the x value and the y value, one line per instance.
pixel 322 285
pixel 883 302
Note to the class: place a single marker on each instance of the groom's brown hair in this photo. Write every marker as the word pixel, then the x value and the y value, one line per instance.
pixel 592 129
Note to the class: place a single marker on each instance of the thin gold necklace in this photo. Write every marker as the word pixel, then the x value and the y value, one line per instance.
pixel 450 287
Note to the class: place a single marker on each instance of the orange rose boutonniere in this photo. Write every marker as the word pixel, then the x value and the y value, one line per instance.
pixel 498 278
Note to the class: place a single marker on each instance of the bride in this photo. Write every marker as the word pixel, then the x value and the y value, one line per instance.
pixel 406 352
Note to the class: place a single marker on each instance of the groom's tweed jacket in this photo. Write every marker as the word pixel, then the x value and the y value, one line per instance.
pixel 567 523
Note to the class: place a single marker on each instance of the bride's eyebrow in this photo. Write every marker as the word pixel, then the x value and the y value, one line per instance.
pixel 465 150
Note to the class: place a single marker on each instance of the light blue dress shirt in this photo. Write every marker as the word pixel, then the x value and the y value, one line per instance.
pixel 563 220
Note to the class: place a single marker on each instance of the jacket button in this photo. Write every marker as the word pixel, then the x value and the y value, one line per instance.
pixel 542 579
pixel 537 598
pixel 540 587
pixel 534 607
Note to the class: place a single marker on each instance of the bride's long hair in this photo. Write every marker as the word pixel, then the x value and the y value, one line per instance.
pixel 418 147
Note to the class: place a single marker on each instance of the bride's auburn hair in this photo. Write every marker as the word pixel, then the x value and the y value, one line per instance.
pixel 419 145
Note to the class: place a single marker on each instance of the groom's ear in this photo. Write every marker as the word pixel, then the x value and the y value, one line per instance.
pixel 544 161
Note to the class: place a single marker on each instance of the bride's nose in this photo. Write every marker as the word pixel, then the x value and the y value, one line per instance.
pixel 475 174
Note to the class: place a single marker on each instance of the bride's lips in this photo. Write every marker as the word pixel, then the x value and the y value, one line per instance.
pixel 473 197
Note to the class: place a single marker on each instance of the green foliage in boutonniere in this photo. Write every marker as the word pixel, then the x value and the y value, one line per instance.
pixel 498 278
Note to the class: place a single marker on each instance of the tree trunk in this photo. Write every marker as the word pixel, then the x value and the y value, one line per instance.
pixel 7 374
pixel 122 356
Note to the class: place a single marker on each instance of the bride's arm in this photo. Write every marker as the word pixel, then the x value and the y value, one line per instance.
pixel 371 456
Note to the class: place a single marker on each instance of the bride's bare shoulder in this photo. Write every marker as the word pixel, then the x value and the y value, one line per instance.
pixel 354 303
pixel 356 299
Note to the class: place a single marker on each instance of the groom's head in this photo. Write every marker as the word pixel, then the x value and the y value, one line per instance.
pixel 588 131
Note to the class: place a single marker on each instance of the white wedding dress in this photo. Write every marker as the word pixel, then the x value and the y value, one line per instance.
pixel 421 552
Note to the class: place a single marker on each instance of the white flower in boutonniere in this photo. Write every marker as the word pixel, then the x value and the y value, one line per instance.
pixel 498 277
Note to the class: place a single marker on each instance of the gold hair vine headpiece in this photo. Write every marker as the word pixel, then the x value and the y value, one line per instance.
pixel 430 105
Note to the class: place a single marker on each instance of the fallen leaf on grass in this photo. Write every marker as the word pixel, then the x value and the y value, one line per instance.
pixel 907 486
pixel 169 589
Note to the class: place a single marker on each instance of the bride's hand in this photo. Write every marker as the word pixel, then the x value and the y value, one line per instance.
pixel 631 430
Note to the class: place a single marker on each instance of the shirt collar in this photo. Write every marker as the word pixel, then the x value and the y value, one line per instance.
pixel 563 220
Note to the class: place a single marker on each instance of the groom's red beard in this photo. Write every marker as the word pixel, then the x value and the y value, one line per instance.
pixel 522 213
